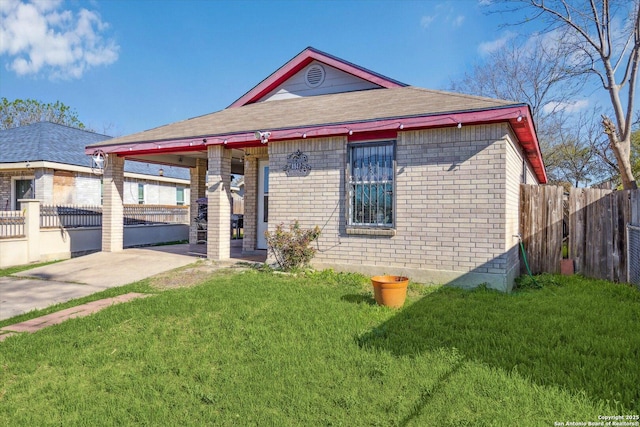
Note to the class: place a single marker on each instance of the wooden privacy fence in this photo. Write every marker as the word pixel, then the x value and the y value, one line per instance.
pixel 590 223
pixel 541 226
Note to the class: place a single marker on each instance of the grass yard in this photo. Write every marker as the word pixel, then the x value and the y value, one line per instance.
pixel 256 348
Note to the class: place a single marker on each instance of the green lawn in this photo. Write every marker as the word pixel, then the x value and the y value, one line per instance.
pixel 256 348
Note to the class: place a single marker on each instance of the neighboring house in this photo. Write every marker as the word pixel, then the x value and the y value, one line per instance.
pixel 46 161
pixel 237 195
pixel 401 180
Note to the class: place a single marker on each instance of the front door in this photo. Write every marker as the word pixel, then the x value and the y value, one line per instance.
pixel 23 190
pixel 263 203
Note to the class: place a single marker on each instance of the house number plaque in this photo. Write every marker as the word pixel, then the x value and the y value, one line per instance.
pixel 297 164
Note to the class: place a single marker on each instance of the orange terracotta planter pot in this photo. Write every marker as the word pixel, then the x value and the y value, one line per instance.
pixel 390 291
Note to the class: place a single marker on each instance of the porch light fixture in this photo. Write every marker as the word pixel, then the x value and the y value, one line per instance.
pixel 401 126
pixel 304 135
pixel 350 132
pixel 459 125
pixel 161 172
pixel 519 118
pixel 262 136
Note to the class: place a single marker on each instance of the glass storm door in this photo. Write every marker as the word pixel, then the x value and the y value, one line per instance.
pixel 263 203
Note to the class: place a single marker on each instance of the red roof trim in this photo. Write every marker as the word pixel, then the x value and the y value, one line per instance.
pixel 300 61
pixel 519 117
pixel 371 136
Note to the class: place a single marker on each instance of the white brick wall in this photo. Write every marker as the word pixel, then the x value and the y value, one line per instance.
pixel 87 189
pixel 451 200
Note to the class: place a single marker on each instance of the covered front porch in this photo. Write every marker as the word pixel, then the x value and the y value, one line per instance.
pixel 211 167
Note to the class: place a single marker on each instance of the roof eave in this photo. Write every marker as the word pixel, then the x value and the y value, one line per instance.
pixel 518 116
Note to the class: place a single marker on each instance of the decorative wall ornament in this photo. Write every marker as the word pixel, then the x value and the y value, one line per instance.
pixel 297 164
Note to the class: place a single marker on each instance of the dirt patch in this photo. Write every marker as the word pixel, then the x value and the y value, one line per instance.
pixel 192 275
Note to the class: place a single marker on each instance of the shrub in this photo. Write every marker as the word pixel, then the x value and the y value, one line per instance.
pixel 292 249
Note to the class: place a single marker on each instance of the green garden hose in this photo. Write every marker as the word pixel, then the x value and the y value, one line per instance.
pixel 524 256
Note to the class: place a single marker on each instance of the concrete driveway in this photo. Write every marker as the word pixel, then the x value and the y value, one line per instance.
pixel 78 277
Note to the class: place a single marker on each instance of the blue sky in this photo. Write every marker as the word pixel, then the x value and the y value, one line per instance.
pixel 131 65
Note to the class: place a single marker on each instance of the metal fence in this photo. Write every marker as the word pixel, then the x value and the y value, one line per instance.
pixel 633 254
pixel 155 214
pixel 71 216
pixel 11 224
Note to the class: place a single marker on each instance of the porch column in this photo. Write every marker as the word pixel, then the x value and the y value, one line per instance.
pixel 198 188
pixel 219 207
pixel 112 204
pixel 250 201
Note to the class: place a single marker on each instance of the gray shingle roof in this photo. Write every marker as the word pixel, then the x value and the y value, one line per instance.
pixel 52 142
pixel 46 141
pixel 348 107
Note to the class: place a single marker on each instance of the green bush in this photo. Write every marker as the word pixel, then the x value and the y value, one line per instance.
pixel 292 249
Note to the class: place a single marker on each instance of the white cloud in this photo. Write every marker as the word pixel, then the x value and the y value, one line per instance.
pixel 569 107
pixel 425 21
pixel 444 14
pixel 38 36
pixel 486 48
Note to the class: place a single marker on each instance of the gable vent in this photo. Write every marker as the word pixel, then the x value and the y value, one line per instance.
pixel 314 76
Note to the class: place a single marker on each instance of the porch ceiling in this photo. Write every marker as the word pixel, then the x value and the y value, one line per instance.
pixel 187 159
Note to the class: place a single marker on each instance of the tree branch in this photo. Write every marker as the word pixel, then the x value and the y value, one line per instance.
pixel 634 61
pixel 567 20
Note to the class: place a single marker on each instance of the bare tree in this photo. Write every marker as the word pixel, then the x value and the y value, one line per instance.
pixel 604 40
pixel 534 71
pixel 575 158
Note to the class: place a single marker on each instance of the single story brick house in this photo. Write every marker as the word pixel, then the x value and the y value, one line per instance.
pixel 402 180
pixel 46 161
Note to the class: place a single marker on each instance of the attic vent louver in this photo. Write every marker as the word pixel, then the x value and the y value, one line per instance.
pixel 314 76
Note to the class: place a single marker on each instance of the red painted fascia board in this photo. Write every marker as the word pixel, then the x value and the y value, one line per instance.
pixel 300 61
pixel 146 147
pixel 525 132
pixel 373 135
pixel 357 131
pixel 524 129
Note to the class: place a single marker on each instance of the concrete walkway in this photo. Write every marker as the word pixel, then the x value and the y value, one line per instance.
pixel 42 287
pixel 83 310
